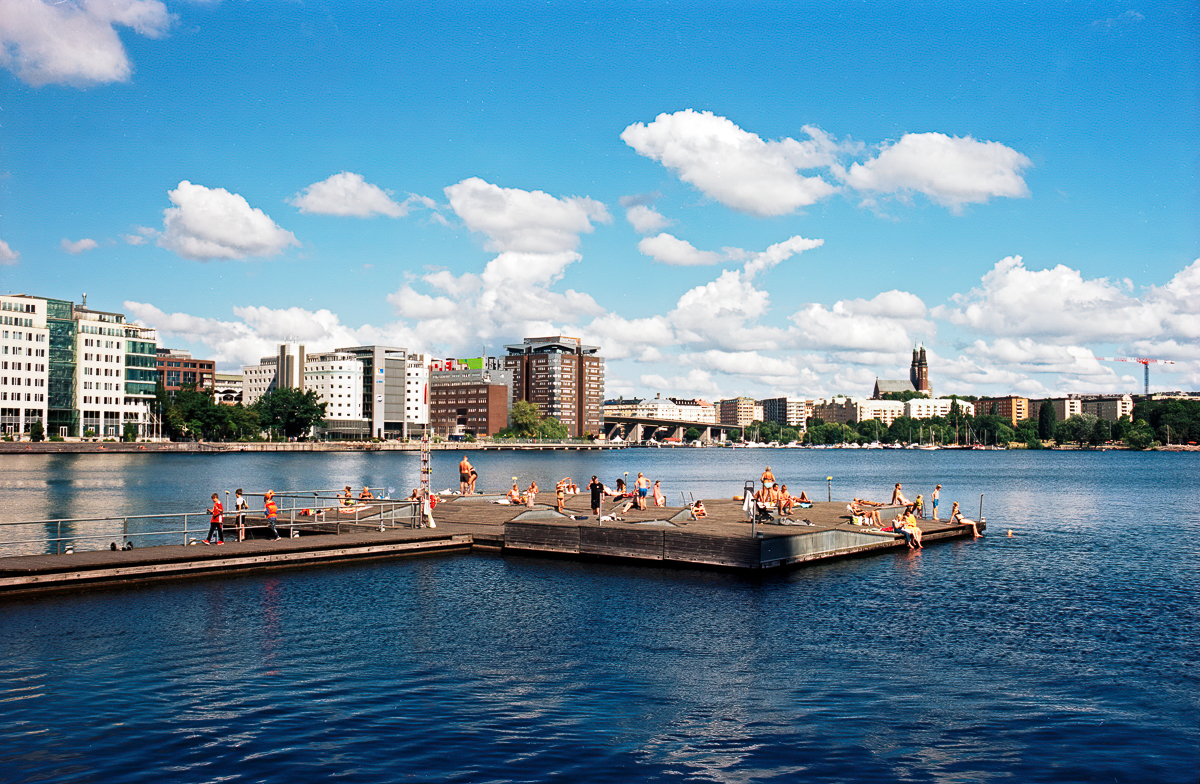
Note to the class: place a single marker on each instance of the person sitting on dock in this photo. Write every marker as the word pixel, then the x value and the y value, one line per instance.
pixel 698 510
pixel 514 495
pixel 898 496
pixel 762 504
pixel 365 495
pixel 347 498
pixel 416 495
pixel 911 531
pixel 956 518
pixel 531 493
pixel 659 500
pixel 803 501
pixel 786 501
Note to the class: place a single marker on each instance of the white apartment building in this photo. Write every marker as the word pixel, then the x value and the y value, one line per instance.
pixel 24 362
pixel 337 379
pixel 115 373
pixel 696 410
pixel 927 408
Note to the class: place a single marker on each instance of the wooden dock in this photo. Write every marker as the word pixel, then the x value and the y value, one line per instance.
pixel 658 535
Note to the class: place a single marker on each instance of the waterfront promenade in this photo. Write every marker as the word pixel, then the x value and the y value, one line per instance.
pixel 658 535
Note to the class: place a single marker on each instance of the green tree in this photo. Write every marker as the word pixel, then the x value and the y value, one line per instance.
pixel 1046 420
pixel 1139 435
pixel 552 430
pixel 36 431
pixel 131 432
pixel 693 434
pixel 289 411
pixel 903 397
pixel 524 418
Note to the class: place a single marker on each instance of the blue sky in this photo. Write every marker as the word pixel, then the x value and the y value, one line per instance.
pixel 758 199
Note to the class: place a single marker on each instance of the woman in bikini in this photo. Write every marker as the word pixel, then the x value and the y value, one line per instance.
pixel 956 518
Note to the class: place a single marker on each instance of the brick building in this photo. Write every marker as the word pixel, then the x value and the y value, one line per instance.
pixel 562 377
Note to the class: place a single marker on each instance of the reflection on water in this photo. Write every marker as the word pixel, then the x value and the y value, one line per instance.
pixel 1062 654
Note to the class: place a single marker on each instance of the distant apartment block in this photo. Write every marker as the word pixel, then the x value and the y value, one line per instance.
pixel 24 363
pixel 844 410
pixel 696 410
pixel 666 409
pixel 928 408
pixel 1012 408
pixel 178 369
pixel 1064 407
pixel 562 377
pixel 739 411
pixel 790 411
pixel 1110 407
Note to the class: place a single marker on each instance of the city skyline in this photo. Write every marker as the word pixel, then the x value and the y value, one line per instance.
pixel 769 200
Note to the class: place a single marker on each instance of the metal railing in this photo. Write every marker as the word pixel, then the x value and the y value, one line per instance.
pixel 321 512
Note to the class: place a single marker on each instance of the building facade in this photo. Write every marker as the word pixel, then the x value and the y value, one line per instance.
pixel 469 396
pixel 928 408
pixel 696 410
pixel 1012 408
pixel 24 363
pixel 563 378
pixel 739 411
pixel 1064 407
pixel 178 369
pixel 845 410
pixel 1109 407
pixel 395 390
pixel 227 388
pixel 790 411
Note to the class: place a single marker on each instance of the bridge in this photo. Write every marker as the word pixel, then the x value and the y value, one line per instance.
pixel 633 428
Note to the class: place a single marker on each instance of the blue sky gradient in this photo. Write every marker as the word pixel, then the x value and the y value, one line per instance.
pixel 1025 197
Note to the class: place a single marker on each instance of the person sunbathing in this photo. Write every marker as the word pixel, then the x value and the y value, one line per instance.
pixel 786 501
pixel 514 495
pixel 898 496
pixel 698 510
pixel 366 493
pixel 803 499
pixel 869 512
pixel 347 499
pixel 956 518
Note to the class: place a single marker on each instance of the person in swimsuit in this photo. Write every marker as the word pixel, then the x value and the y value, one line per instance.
pixel 898 496
pixel 514 495
pixel 956 518
pixel 560 493
pixel 464 476
pixel 786 500
pixel 768 478
pixel 531 493
pixel 366 493
pixel 643 489
pixel 937 492
pixel 658 496
pixel 347 498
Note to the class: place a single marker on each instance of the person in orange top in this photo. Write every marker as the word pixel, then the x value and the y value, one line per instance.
pixel 216 520
pixel 272 511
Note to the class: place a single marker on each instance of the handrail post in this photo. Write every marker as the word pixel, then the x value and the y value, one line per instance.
pixel 185 530
pixel 58 538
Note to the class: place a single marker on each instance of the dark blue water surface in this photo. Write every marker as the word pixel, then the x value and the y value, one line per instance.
pixel 1062 653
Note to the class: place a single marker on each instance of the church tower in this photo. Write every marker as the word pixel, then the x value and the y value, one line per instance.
pixel 918 372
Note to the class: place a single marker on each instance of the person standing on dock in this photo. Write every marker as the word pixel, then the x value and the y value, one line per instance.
pixel 465 484
pixel 768 478
pixel 937 492
pixel 217 517
pixel 643 489
pixel 271 510
pixel 240 506
pixel 531 493
pixel 597 488
pixel 560 493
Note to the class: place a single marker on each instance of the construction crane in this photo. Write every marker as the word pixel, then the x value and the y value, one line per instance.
pixel 1145 363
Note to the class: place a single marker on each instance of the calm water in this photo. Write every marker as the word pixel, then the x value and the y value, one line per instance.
pixel 1064 653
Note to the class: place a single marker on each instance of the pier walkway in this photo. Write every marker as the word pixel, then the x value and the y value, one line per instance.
pixel 659 535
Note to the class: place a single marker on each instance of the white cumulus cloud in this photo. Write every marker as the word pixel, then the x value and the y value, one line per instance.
pixel 646 219
pixel 519 220
pixel 74 43
pixel 348 194
pixel 733 166
pixel 212 223
pixel 7 254
pixel 950 170
pixel 669 249
pixel 75 248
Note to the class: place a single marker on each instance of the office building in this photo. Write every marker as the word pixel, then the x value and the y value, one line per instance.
pixel 178 369
pixel 788 411
pixel 469 396
pixel 563 378
pixel 24 363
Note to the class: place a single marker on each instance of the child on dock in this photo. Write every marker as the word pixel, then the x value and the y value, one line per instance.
pixel 216 521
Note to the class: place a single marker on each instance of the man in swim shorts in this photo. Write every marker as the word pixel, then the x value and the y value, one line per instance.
pixel 643 489
pixel 464 476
